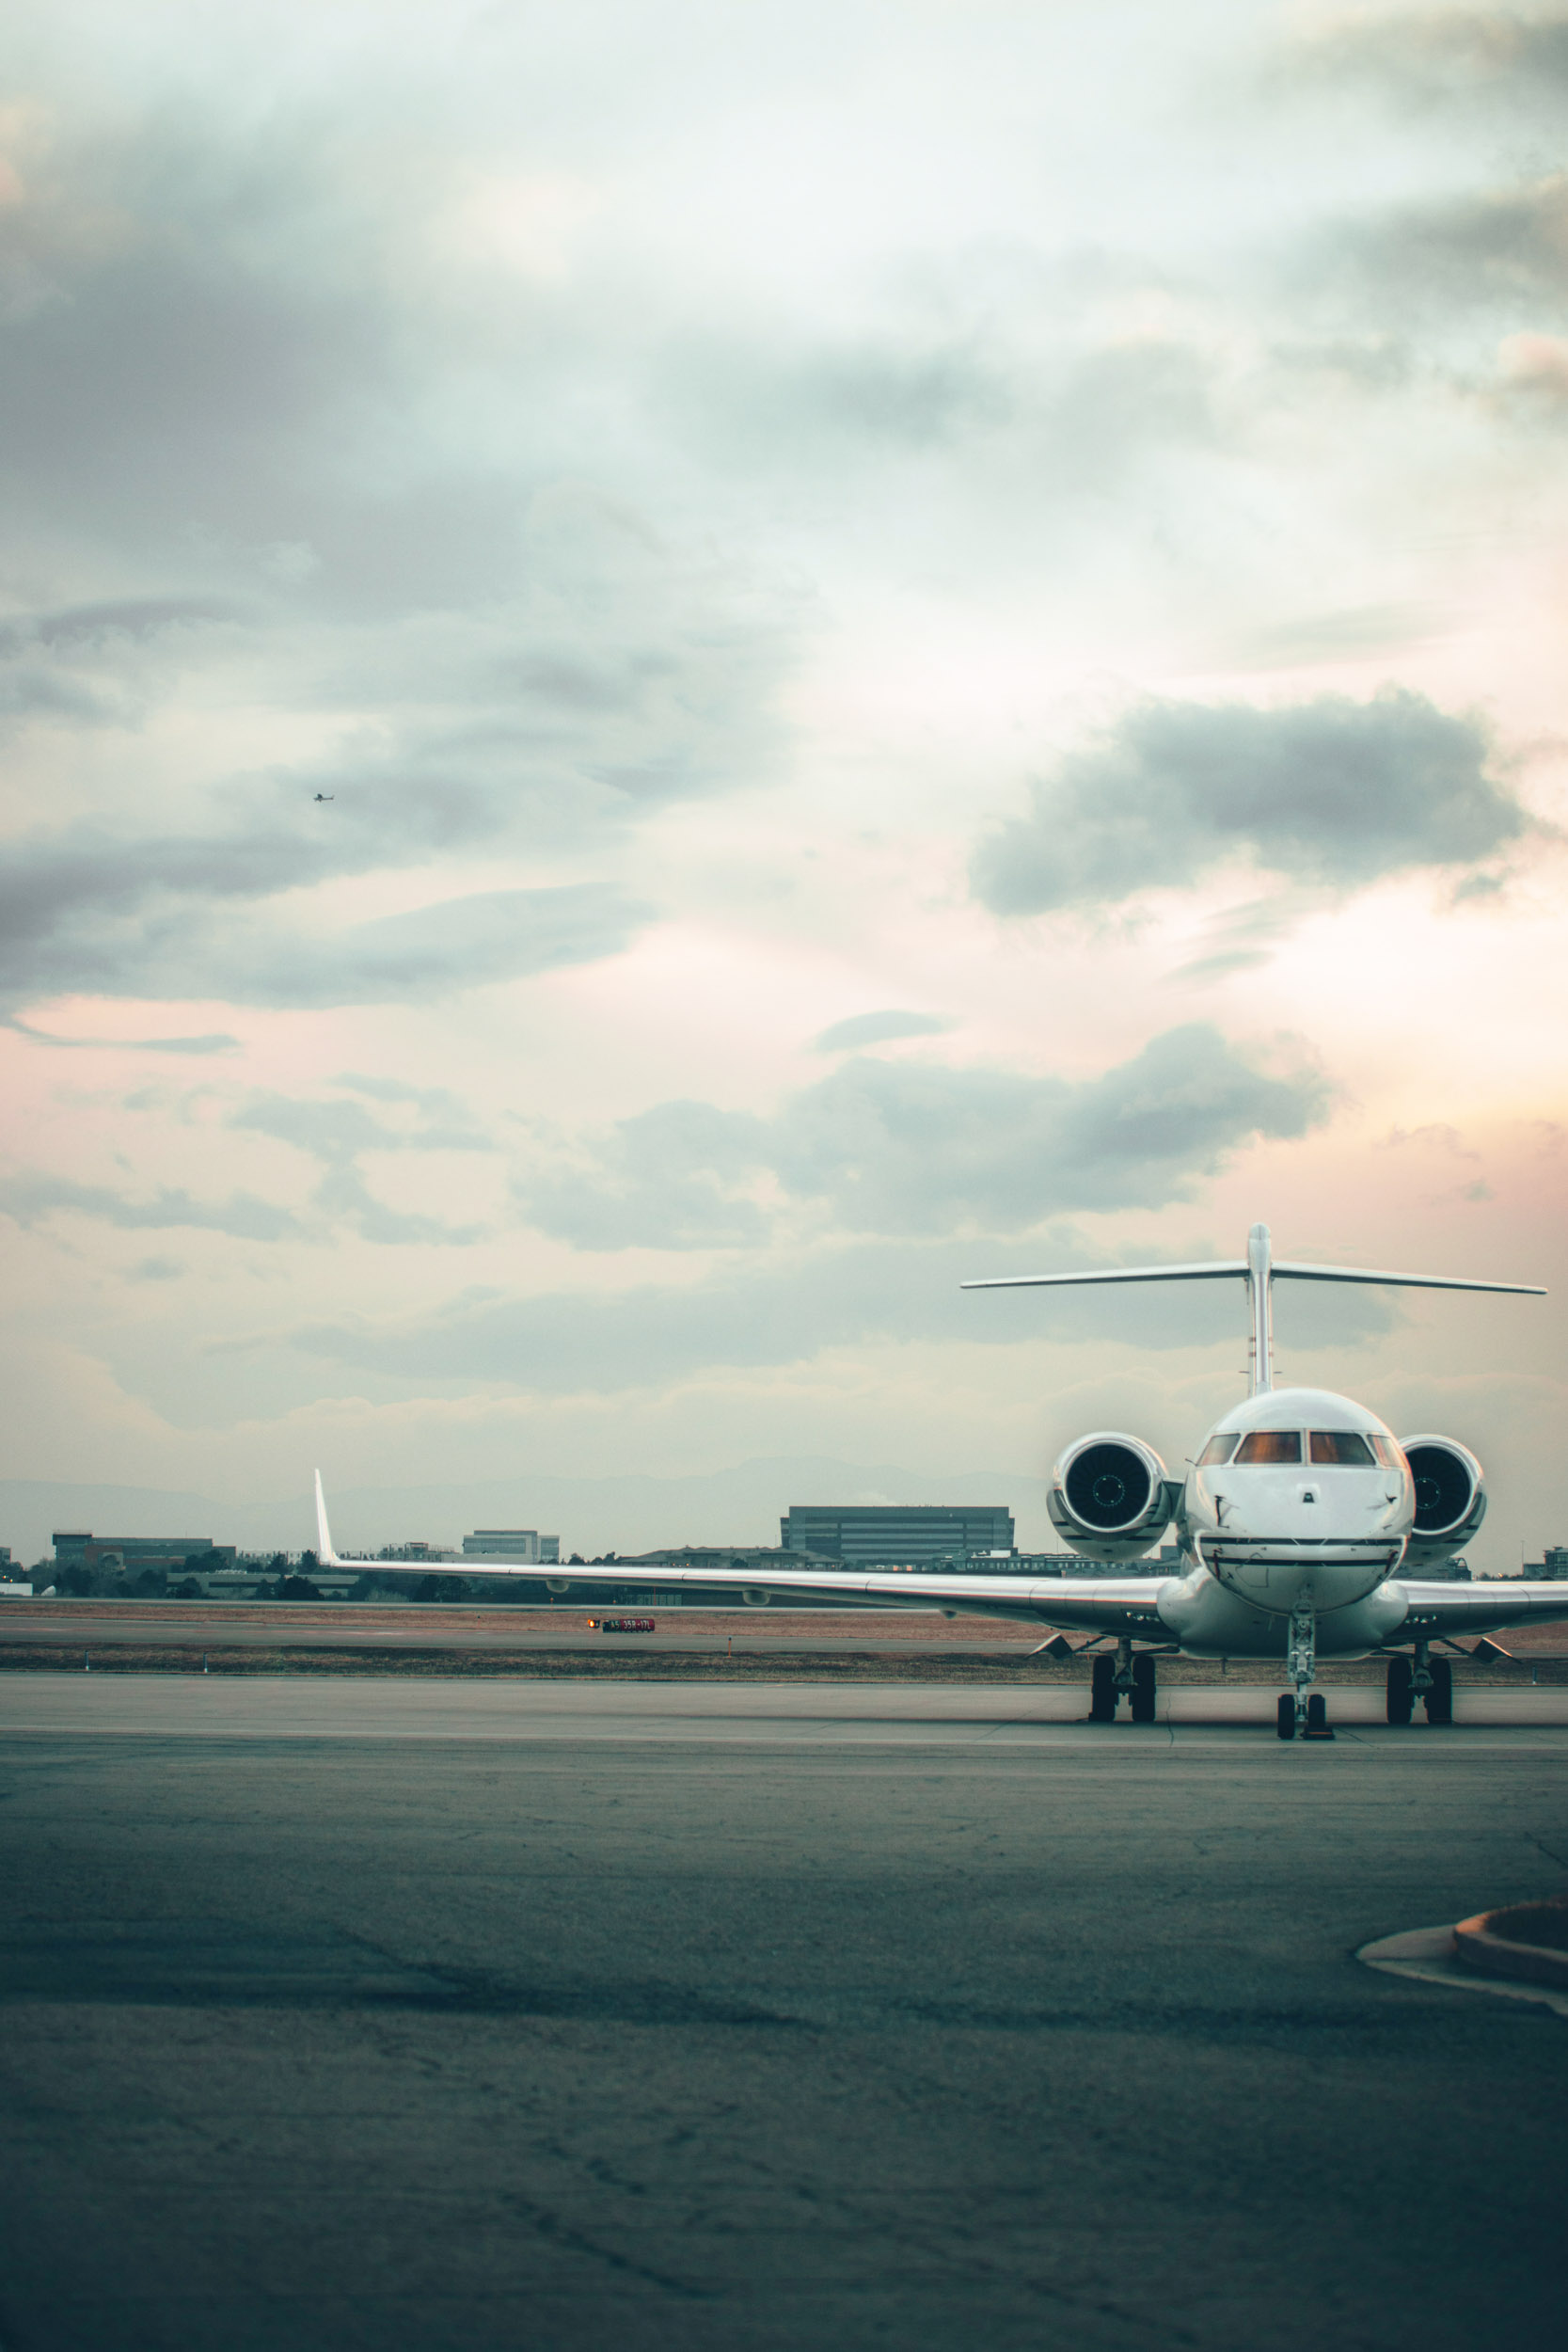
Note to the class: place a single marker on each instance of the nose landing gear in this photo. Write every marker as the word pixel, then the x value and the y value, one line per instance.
pixel 1299 1712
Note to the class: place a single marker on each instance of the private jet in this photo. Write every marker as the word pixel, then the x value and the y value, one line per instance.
pixel 1304 1529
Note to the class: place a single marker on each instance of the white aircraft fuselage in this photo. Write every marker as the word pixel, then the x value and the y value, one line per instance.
pixel 1297 1499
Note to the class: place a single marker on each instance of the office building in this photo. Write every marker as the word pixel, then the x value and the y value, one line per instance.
pixel 510 1543
pixel 888 1534
pixel 77 1549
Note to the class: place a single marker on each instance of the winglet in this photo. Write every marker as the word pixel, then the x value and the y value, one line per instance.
pixel 324 1552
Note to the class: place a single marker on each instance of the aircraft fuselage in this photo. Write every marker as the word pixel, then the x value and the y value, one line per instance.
pixel 1298 1499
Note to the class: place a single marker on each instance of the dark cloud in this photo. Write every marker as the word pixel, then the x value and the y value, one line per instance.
pixel 97 914
pixel 1466 54
pixel 890 1148
pixel 1430 274
pixel 1330 791
pixel 436 952
pixel 877 1028
pixel 1505 250
pixel 30 1199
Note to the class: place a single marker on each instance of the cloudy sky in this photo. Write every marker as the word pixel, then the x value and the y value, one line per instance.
pixel 930 633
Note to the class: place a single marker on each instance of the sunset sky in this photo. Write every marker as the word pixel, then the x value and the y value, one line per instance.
pixel 934 636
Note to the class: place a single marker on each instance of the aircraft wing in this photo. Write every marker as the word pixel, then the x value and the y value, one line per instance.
pixel 1490 1605
pixel 1088 1604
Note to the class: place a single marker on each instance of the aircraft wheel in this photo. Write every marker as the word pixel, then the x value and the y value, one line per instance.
pixel 1317 1717
pixel 1102 1690
pixel 1439 1699
pixel 1287 1715
pixel 1143 1687
pixel 1401 1696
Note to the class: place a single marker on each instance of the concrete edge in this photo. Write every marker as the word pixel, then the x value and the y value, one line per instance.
pixel 1477 1945
pixel 1427 1956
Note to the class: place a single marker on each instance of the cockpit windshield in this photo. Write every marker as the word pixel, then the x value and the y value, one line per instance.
pixel 1218 1449
pixel 1270 1445
pixel 1341 1445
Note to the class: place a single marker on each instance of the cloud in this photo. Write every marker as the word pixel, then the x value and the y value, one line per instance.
pixel 891 1147
pixel 337 1132
pixel 1503 249
pixel 30 1199
pixel 672 1178
pixel 436 950
pixel 208 1041
pixel 849 1294
pixel 93 914
pixel 344 1197
pixel 1329 791
pixel 877 1028
pixel 1464 55
pixel 157 1270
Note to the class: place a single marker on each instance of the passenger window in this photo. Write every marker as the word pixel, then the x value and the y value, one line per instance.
pixel 1270 1445
pixel 1341 1445
pixel 1217 1450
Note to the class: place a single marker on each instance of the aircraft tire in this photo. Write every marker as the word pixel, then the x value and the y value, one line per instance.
pixel 1317 1717
pixel 1102 1690
pixel 1287 1715
pixel 1143 1689
pixel 1402 1700
pixel 1439 1699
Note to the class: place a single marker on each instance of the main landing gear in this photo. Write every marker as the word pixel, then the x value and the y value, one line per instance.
pixel 1113 1677
pixel 1424 1677
pixel 1298 1711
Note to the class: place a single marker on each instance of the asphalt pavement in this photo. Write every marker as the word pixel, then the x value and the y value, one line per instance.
pixel 341 2015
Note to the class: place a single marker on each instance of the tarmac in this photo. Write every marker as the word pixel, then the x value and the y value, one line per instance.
pixel 341 2014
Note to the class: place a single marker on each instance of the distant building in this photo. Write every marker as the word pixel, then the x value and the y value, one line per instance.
pixel 1554 1561
pixel 75 1548
pixel 889 1535
pixel 510 1543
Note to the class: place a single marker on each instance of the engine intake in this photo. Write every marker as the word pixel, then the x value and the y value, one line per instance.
pixel 1450 1499
pixel 1109 1496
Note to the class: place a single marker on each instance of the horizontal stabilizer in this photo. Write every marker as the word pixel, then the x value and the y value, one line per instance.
pixel 1211 1270
pixel 1216 1269
pixel 1283 1267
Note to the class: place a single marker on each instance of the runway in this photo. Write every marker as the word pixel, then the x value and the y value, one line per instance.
pixel 265 1707
pixel 340 2015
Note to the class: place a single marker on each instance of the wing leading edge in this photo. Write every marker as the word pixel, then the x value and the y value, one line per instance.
pixel 1490 1605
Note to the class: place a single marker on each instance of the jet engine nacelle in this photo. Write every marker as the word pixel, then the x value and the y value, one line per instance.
pixel 1450 1499
pixel 1109 1496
